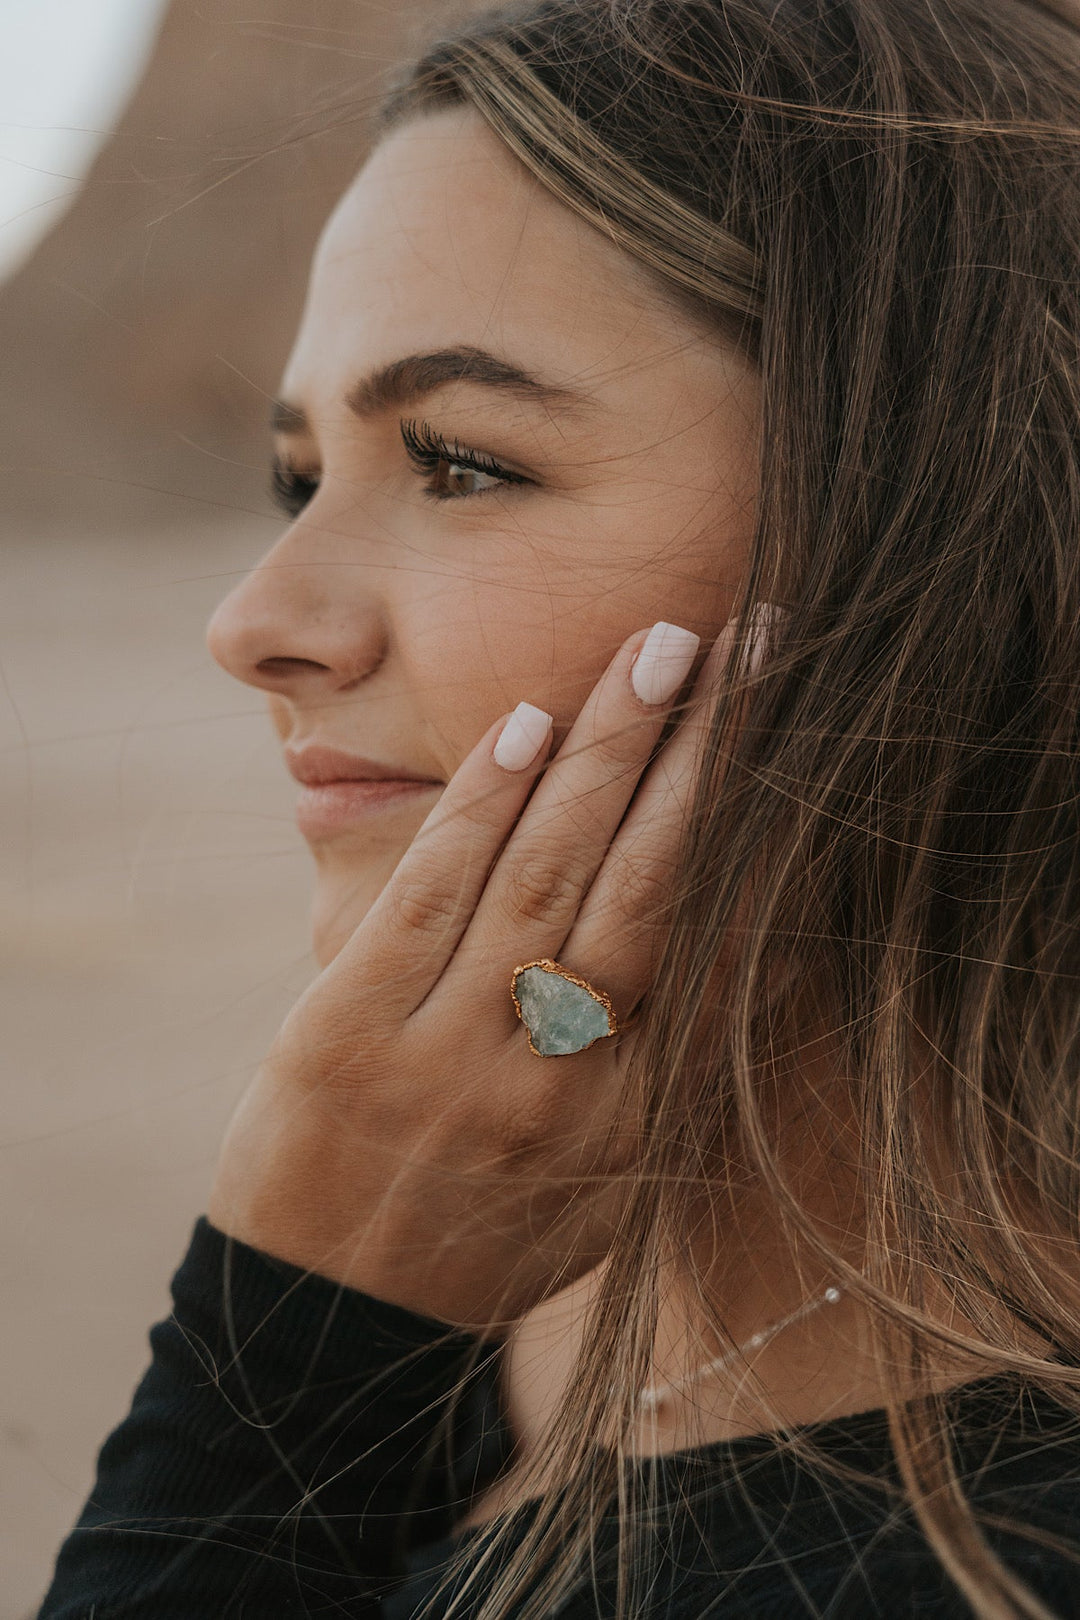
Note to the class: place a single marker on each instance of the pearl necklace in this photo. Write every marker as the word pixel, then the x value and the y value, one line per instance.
pixel 652 1395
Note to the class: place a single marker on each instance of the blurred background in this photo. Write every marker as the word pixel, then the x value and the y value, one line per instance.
pixel 165 167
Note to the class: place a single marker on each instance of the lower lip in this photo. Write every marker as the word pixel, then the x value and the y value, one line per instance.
pixel 333 805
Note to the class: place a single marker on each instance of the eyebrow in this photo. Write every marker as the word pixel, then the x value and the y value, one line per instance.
pixel 406 381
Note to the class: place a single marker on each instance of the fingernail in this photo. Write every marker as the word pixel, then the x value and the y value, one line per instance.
pixel 522 737
pixel 763 621
pixel 663 663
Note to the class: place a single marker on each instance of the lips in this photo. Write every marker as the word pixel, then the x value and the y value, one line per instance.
pixel 316 765
pixel 339 789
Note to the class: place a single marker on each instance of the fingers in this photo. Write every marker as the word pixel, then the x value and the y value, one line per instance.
pixel 501 869
pixel 437 900
pixel 536 887
pixel 404 943
pixel 617 931
pixel 621 923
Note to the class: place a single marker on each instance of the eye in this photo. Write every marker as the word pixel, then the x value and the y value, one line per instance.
pixel 452 471
pixel 291 490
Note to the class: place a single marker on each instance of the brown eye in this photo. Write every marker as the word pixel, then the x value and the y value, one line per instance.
pixel 458 478
pixel 451 470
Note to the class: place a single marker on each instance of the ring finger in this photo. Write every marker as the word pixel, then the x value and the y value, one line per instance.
pixel 533 894
pixel 619 924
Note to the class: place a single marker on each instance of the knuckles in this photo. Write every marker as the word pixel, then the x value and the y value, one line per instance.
pixel 619 748
pixel 421 907
pixel 641 888
pixel 544 890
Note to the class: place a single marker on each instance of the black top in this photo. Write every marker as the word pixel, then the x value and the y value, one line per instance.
pixel 291 1451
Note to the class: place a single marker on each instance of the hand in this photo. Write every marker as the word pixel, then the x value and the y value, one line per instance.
pixel 401 1137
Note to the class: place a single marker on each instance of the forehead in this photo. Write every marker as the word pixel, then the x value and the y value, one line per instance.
pixel 445 238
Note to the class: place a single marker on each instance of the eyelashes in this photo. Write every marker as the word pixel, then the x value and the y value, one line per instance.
pixel 428 452
pixel 291 490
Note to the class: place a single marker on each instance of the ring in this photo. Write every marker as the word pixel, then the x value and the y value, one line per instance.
pixel 561 1013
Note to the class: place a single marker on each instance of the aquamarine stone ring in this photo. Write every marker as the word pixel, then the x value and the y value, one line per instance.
pixel 561 1013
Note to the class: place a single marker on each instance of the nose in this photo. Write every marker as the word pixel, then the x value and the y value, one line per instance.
pixel 300 625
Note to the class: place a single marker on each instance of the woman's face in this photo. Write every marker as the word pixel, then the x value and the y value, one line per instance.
pixel 416 596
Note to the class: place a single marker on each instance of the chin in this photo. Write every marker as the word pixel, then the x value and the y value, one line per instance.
pixel 345 892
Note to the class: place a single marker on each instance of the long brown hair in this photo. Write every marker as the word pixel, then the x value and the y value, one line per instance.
pixel 878 201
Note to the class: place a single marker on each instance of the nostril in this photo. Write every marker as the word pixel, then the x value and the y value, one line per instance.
pixel 282 668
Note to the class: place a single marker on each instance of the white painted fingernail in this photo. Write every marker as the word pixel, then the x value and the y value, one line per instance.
pixel 663 663
pixel 764 619
pixel 522 737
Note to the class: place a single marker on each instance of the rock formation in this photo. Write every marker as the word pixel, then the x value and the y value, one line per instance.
pixel 138 343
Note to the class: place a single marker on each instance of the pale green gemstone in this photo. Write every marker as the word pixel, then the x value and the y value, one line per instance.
pixel 561 1017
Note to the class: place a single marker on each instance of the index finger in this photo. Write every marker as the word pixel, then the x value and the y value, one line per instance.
pixel 403 944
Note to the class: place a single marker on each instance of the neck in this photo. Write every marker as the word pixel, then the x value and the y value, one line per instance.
pixel 750 1270
pixel 777 1362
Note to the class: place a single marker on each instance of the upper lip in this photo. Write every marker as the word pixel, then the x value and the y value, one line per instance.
pixel 316 765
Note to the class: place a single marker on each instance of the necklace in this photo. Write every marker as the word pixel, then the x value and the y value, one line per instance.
pixel 652 1395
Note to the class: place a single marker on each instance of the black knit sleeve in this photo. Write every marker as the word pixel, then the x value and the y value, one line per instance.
pixel 289 1442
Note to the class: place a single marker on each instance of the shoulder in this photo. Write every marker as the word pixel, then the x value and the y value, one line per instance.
pixel 777 1540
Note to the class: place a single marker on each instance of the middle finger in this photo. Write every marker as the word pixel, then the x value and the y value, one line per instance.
pixel 623 920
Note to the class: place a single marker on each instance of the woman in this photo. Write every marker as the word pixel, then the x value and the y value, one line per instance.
pixel 665 1201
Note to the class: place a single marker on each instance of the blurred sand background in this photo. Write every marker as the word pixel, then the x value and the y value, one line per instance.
pixel 153 887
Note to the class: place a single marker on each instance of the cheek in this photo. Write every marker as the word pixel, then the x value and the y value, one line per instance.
pixel 537 611
pixel 279 716
pixel 537 635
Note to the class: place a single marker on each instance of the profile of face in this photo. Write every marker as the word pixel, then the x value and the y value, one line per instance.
pixel 505 449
